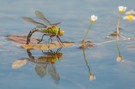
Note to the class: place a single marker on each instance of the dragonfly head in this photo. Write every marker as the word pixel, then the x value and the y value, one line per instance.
pixel 61 32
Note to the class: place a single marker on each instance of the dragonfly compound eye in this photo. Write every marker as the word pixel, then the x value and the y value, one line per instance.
pixel 61 32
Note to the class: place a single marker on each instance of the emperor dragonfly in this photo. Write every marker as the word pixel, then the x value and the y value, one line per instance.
pixel 52 30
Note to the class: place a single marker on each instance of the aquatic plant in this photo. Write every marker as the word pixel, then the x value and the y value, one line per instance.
pixel 130 15
pixel 121 9
pixel 93 19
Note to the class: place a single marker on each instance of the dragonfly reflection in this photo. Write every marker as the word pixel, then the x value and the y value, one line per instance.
pixel 43 64
pixel 91 75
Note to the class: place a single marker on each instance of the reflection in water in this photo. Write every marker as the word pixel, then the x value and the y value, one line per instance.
pixel 43 64
pixel 119 57
pixel 91 75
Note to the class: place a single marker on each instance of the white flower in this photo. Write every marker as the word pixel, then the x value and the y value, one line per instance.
pixel 129 17
pixel 131 12
pixel 122 9
pixel 93 18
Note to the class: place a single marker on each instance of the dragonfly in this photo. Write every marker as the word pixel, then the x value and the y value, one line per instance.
pixel 51 30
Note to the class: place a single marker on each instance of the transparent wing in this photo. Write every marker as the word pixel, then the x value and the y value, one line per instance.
pixel 52 71
pixel 41 16
pixel 41 70
pixel 28 19
pixel 56 23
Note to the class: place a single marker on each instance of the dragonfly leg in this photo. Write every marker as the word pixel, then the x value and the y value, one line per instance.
pixel 30 55
pixel 49 43
pixel 28 38
pixel 59 41
pixel 30 34
pixel 50 40
pixel 58 50
pixel 42 38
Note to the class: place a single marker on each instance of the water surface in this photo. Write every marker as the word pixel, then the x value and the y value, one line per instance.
pixel 72 70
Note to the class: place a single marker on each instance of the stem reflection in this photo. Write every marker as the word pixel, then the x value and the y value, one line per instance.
pixel 91 75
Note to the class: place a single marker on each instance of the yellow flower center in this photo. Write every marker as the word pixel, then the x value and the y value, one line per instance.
pixel 130 17
pixel 121 11
pixel 93 20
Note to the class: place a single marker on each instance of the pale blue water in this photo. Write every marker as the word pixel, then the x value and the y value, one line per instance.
pixel 72 70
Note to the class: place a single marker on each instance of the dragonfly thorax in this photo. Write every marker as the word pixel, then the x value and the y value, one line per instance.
pixel 53 30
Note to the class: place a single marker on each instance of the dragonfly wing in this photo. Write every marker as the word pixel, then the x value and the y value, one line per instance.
pixel 52 71
pixel 41 70
pixel 28 19
pixel 56 23
pixel 41 16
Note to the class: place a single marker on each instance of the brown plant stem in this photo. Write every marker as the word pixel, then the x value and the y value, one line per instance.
pixel 84 39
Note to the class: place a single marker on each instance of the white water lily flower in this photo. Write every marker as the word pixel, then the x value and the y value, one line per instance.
pixel 93 18
pixel 122 9
pixel 131 12
pixel 129 17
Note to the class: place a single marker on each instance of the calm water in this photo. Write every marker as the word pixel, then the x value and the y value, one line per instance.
pixel 71 71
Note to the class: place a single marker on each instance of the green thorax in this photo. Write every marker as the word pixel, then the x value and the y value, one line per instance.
pixel 54 30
